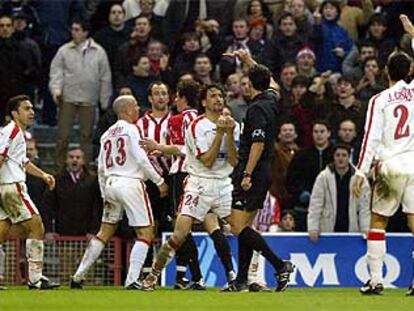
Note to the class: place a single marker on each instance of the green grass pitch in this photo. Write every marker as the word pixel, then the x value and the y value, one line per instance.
pixel 294 299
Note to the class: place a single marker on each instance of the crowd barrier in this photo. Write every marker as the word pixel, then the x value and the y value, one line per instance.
pixel 61 257
pixel 335 260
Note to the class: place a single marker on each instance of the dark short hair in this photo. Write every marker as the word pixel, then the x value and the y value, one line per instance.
pixel 287 65
pixel 85 25
pixel 260 76
pixel 208 87
pixel 202 55
pixel 366 43
pixel 14 103
pixel 156 83
pixel 187 36
pixel 117 4
pixel 286 212
pixel 321 122
pixel 378 18
pixel 398 65
pixel 75 148
pixel 370 58
pixel 285 16
pixel 189 90
pixel 335 3
pixel 300 80
pixel 347 78
pixel 343 147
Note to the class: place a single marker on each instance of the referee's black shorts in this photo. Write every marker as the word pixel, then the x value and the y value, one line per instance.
pixel 252 199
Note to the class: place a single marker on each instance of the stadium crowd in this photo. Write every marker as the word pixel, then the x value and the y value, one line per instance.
pixel 74 57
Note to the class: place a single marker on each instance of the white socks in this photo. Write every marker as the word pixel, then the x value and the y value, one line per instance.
pixel 376 250
pixel 34 254
pixel 256 269
pixel 2 261
pixel 136 260
pixel 92 253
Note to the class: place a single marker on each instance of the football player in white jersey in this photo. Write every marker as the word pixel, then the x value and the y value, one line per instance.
pixel 211 154
pixel 16 207
pixel 389 137
pixel 122 169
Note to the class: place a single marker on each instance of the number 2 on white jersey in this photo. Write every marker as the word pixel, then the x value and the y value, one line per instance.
pixel 120 157
pixel 403 129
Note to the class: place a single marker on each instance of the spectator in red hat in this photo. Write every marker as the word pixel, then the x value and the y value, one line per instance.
pixel 305 60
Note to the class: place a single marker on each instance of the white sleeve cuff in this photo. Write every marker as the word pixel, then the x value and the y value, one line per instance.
pixel 160 182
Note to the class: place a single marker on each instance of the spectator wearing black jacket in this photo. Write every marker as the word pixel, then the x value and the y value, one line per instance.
pixel 15 66
pixel 305 167
pixel 114 35
pixel 285 45
pixel 74 206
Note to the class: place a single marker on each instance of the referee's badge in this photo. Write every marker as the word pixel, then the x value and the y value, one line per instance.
pixel 258 133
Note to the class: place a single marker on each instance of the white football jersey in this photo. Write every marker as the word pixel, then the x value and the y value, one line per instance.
pixel 389 127
pixel 121 155
pixel 13 148
pixel 198 140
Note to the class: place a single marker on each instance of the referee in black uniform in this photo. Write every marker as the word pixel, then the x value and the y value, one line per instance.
pixel 252 177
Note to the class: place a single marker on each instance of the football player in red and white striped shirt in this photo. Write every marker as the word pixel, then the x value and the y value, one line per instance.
pixel 389 136
pixel 16 207
pixel 153 125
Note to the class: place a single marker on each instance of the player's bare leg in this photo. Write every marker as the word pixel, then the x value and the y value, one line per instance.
pixel 4 231
pixel 376 250
pixel 410 222
pixel 139 251
pixel 93 251
pixel 221 244
pixel 182 228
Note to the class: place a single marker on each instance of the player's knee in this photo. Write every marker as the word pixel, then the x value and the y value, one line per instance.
pixel 147 235
pixel 36 230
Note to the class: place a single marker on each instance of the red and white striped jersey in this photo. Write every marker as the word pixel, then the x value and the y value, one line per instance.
pixel 199 138
pixel 389 130
pixel 121 155
pixel 177 125
pixel 157 129
pixel 13 148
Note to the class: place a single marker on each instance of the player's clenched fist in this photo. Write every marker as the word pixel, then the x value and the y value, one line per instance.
pixel 163 188
pixel 49 180
pixel 230 124
pixel 221 125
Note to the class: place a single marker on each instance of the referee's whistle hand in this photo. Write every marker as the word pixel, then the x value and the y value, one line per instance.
pixel 246 183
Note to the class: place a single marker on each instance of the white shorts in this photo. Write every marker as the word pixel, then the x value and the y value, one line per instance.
pixel 15 203
pixel 203 195
pixel 129 195
pixel 394 185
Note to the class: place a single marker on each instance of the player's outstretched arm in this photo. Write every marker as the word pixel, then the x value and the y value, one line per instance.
pixel 37 172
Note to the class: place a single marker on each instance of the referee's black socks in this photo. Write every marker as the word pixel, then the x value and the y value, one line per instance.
pixel 223 250
pixel 245 257
pixel 256 242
